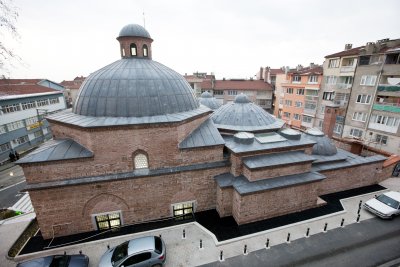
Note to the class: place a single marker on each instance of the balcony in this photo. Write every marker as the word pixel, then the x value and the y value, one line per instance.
pixel 382 127
pixel 309 111
pixel 389 107
pixel 345 69
pixel 311 97
pixel 388 88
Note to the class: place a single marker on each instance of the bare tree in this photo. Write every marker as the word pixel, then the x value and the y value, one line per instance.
pixel 8 19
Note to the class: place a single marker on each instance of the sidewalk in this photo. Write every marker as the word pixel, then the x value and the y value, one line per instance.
pixel 186 252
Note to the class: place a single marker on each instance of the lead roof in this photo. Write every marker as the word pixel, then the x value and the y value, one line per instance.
pixel 61 149
pixel 134 87
pixel 205 135
pixel 277 159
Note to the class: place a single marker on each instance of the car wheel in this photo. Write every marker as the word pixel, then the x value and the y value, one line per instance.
pixel 156 265
pixel 392 217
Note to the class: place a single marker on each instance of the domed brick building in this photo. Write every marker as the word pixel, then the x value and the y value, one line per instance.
pixel 137 146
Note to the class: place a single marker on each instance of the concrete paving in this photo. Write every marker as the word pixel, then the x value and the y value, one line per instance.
pixel 186 252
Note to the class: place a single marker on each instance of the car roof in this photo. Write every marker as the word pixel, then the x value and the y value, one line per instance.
pixel 141 244
pixel 394 195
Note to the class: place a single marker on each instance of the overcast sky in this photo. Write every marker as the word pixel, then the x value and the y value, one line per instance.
pixel 64 39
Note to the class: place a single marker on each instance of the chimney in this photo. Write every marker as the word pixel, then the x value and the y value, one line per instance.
pixel 312 65
pixel 268 76
pixel 261 74
pixel 370 47
pixel 299 67
pixel 348 46
pixel 286 70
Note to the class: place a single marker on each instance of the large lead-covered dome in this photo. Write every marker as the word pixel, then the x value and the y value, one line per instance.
pixel 135 86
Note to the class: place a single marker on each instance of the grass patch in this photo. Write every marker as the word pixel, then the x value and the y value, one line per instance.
pixel 30 231
pixel 5 214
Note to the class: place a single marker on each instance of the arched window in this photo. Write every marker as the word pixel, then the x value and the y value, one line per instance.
pixel 145 52
pixel 141 161
pixel 133 50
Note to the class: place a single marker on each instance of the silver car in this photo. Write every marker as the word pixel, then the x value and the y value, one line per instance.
pixel 140 252
pixel 79 260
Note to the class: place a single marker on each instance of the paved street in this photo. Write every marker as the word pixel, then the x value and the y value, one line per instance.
pixel 12 181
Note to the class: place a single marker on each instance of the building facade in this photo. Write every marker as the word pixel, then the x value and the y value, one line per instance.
pixel 72 89
pixel 23 103
pixel 140 147
pixel 298 96
pixel 373 115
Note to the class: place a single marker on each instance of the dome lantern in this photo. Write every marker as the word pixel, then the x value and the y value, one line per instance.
pixel 135 41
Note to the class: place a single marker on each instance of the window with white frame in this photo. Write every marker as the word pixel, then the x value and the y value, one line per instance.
pixel 232 92
pixel 338 128
pixel 307 119
pixel 31 120
pixel 299 91
pixel 11 108
pixel 4 147
pixel 330 79
pixel 218 92
pixel 286 115
pixel 360 116
pixel 3 129
pixel 385 120
pixel 296 79
pixel 363 99
pixel 310 105
pixel 15 125
pixel 28 105
pixel 368 80
pixel 356 132
pixel 347 80
pixel 298 104
pixel 42 102
pixel 21 140
pixel 320 124
pixel 334 63
pixel 289 90
pixel 381 139
pixel 328 96
pixel 141 161
pixel 376 59
pixel 313 79
pixel 54 100
pixel 296 116
pixel 288 103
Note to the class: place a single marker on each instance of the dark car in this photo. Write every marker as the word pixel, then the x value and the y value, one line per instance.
pixel 79 260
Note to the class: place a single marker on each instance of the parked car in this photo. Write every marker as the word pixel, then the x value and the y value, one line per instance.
pixel 386 205
pixel 78 260
pixel 140 252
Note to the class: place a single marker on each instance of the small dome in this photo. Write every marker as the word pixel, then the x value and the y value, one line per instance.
pixel 242 98
pixel 206 99
pixel 324 145
pixel 134 30
pixel 244 116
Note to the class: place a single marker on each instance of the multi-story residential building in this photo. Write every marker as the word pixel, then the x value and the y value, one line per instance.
pixel 373 113
pixel 339 69
pixel 273 77
pixel 225 91
pixel 23 103
pixel 298 98
pixel 72 89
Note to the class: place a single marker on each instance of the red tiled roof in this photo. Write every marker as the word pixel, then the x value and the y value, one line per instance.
pixel 390 49
pixel 276 71
pixel 75 84
pixel 240 85
pixel 350 52
pixel 22 87
pixel 308 71
pixel 206 84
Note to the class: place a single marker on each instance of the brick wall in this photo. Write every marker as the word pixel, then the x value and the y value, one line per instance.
pixel 224 201
pixel 263 173
pixel 140 199
pixel 271 203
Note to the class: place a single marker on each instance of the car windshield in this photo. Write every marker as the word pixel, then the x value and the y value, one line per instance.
pixel 388 201
pixel 120 252
pixel 60 261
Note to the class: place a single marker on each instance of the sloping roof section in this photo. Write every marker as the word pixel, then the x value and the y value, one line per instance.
pixel 57 150
pixel 10 87
pixel 244 186
pixel 351 52
pixel 205 135
pixel 277 159
pixel 242 85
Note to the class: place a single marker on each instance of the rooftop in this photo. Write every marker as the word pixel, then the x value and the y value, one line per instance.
pixel 13 87
pixel 350 52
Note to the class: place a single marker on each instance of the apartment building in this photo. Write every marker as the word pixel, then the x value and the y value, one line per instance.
pixel 23 103
pixel 339 69
pixel 297 96
pixel 197 79
pixel 72 89
pixel 373 114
